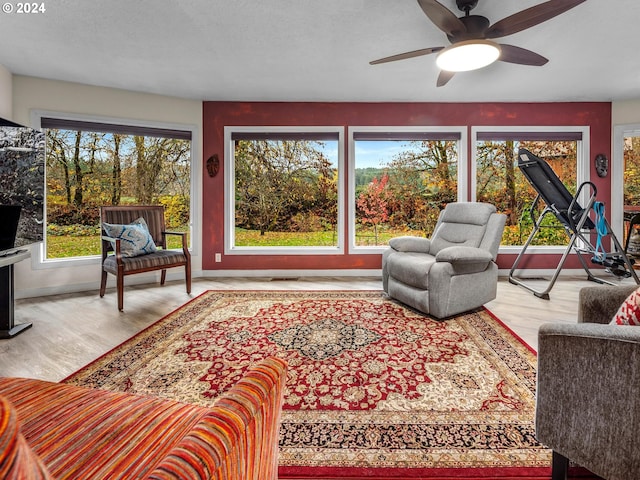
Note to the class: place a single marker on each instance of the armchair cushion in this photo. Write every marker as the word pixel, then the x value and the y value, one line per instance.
pixel 135 238
pixel 410 244
pixel 629 311
pixel 151 261
pixel 460 225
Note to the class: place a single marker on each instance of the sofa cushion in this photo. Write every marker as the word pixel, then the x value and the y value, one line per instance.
pixel 17 460
pixel 135 238
pixel 629 311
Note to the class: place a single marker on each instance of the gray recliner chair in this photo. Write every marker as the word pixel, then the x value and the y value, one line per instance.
pixel 455 270
pixel 588 382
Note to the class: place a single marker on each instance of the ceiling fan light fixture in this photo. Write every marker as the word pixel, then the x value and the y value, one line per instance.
pixel 468 55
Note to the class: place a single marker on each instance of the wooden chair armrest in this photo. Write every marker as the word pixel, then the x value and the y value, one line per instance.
pixel 185 247
pixel 111 241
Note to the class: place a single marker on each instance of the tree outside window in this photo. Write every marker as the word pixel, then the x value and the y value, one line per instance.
pixel 86 169
pixel 500 182
pixel 285 191
pixel 401 185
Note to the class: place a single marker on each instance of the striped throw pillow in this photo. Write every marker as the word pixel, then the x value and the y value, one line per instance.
pixel 629 311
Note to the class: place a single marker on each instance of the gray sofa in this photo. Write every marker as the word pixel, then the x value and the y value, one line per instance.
pixel 588 398
pixel 452 272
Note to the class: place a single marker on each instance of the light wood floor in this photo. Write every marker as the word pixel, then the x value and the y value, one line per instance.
pixel 71 330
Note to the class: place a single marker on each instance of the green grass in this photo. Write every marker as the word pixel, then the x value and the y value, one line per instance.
pixel 68 246
pixel 252 238
pixel 364 237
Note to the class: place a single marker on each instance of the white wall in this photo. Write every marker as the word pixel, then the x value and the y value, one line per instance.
pixel 625 112
pixel 33 277
pixel 6 93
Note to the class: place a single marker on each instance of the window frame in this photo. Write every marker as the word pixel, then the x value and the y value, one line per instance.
pixel 616 172
pixel 195 223
pixel 462 175
pixel 229 191
pixel 582 169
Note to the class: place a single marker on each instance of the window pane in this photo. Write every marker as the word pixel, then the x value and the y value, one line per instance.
pixel 286 191
pixel 500 182
pixel 631 171
pixel 86 169
pixel 401 186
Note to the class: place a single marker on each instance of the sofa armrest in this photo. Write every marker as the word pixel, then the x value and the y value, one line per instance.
pixel 410 244
pixel 598 304
pixel 238 439
pixel 588 381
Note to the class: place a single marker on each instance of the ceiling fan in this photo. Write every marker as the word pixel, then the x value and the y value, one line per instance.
pixel 471 36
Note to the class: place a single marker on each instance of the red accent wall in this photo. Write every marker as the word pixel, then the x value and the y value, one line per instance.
pixel 217 115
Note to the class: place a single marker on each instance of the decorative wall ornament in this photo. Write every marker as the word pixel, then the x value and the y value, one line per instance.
pixel 602 165
pixel 213 165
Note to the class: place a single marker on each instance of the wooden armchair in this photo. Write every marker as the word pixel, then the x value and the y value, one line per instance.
pixel 127 258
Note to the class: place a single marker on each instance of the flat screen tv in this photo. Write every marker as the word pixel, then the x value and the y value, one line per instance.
pixel 10 215
pixel 21 183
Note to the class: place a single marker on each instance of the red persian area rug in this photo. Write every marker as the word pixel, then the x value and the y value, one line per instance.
pixel 374 388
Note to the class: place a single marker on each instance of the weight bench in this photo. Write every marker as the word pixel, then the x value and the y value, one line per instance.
pixel 576 221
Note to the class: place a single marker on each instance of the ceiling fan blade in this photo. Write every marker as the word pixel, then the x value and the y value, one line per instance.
pixel 444 77
pixel 402 56
pixel 521 56
pixel 442 17
pixel 530 17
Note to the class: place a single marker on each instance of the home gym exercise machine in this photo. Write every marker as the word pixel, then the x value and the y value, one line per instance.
pixel 577 222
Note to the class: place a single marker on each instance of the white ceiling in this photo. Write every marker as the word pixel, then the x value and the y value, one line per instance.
pixel 316 50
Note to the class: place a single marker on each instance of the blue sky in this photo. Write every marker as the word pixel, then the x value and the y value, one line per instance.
pixel 378 153
pixel 374 153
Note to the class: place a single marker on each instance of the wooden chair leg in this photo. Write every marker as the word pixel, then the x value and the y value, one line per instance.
pixel 103 283
pixel 120 288
pixel 163 277
pixel 187 273
pixel 559 467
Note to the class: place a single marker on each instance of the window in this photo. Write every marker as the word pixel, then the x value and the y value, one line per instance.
pixel 624 169
pixel 631 162
pixel 499 181
pixel 400 180
pixel 89 164
pixel 285 186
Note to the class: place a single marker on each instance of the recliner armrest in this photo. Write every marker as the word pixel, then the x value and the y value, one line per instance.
pixel 587 387
pixel 410 244
pixel 464 255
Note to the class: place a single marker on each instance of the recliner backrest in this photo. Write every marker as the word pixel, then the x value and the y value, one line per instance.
pixel 463 224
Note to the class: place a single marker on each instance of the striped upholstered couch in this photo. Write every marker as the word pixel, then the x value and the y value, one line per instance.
pixel 52 430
